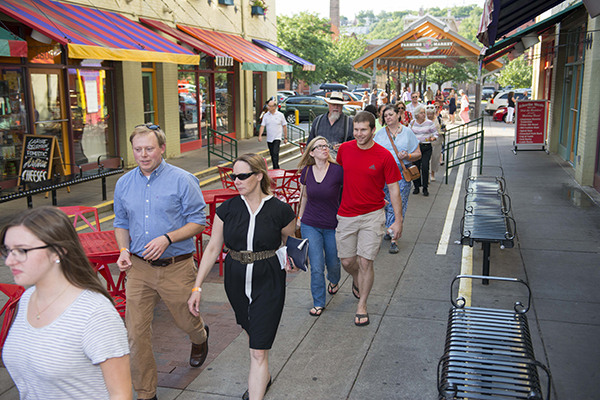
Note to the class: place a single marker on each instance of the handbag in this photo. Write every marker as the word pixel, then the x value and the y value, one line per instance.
pixel 412 172
pixel 297 250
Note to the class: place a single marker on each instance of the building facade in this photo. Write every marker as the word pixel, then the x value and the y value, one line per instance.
pixel 84 82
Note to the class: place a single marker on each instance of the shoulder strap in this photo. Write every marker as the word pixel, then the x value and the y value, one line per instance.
pixel 346 118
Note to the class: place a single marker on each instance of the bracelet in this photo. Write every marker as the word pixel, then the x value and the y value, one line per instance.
pixel 168 238
pixel 197 289
pixel 409 155
pixel 126 249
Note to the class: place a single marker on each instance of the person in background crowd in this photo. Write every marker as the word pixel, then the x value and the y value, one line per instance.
pixel 374 96
pixel 159 208
pixel 410 107
pixel 425 132
pixel 439 101
pixel 428 95
pixel 335 126
pixel 407 95
pixel 253 226
pixel 321 183
pixel 368 167
pixel 452 106
pixel 405 116
pixel 464 106
pixel 67 340
pixel 383 99
pixel 408 150
pixel 510 110
pixel 365 99
pixel 394 97
pixel 276 125
pixel 436 145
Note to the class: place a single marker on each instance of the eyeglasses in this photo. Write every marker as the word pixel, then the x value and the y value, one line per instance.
pixel 150 126
pixel 20 255
pixel 241 177
pixel 321 147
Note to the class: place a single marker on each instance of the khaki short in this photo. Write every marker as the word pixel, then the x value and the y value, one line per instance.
pixel 360 235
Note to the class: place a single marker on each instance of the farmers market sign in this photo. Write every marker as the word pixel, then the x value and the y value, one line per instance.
pixel 427 44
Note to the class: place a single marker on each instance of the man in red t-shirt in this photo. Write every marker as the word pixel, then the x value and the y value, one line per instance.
pixel 368 167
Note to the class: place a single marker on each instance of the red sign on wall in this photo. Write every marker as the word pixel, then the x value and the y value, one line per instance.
pixel 531 118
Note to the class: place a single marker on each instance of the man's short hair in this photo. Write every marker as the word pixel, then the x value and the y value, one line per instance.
pixel 147 129
pixel 365 116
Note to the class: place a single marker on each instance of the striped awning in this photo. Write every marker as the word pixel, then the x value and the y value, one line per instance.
pixel 252 57
pixel 221 59
pixel 11 45
pixel 306 65
pixel 93 34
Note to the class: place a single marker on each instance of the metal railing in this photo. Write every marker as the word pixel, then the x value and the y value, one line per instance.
pixel 460 131
pixel 221 145
pixel 296 135
pixel 458 151
pixel 311 117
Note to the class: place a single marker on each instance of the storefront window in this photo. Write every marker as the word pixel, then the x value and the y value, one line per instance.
pixel 195 104
pixel 224 95
pixel 13 121
pixel 93 133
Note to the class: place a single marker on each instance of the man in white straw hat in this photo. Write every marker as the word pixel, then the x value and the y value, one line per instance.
pixel 334 126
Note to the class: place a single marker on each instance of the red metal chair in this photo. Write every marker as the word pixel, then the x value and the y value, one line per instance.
pixel 289 191
pixel 225 174
pixel 14 293
pixel 78 211
pixel 302 147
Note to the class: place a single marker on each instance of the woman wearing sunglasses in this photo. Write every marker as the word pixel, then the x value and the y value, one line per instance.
pixel 67 340
pixel 408 149
pixel 252 226
pixel 321 182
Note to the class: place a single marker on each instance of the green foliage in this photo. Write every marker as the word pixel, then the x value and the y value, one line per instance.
pixel 516 73
pixel 309 37
pixel 469 26
pixel 389 27
pixel 440 73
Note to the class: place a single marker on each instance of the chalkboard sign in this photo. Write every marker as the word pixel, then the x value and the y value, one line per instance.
pixel 39 155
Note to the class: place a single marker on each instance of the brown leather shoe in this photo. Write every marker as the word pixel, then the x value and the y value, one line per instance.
pixel 199 352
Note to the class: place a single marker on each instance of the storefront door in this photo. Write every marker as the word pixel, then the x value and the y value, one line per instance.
pixel 567 147
pixel 50 108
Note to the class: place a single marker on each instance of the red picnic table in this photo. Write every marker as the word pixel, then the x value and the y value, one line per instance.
pixel 101 249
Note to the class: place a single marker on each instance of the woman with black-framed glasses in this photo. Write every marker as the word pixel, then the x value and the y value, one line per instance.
pixel 253 226
pixel 67 340
pixel 321 181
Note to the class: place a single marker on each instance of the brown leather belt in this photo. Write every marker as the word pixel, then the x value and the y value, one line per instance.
pixel 163 262
pixel 248 257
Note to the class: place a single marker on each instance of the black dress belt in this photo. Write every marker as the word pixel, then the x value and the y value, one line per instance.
pixel 163 262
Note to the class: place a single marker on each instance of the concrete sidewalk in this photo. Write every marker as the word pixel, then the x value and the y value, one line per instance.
pixel 557 251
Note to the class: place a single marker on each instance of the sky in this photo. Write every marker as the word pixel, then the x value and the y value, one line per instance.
pixel 349 8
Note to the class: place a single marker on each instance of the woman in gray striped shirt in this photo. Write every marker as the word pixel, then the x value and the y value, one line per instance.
pixel 67 340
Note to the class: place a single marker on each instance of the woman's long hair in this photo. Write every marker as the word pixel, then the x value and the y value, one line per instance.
pixel 53 227
pixel 257 165
pixel 307 159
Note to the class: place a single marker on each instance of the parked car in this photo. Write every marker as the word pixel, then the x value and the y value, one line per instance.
pixel 500 114
pixel 330 87
pixel 281 97
pixel 501 100
pixel 287 93
pixel 487 92
pixel 304 104
pixel 359 91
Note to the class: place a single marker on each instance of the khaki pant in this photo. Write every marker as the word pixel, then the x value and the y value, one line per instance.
pixel 145 286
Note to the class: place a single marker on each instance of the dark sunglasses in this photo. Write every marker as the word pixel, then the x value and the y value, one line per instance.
pixel 150 126
pixel 241 177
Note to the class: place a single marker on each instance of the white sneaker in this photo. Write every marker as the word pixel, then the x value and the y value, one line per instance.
pixel 432 179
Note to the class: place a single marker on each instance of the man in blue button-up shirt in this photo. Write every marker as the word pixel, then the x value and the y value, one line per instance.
pixel 158 210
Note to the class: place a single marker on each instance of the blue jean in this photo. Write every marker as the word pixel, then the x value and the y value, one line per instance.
pixel 390 217
pixel 322 251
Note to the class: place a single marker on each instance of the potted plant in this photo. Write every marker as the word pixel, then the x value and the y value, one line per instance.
pixel 226 2
pixel 259 7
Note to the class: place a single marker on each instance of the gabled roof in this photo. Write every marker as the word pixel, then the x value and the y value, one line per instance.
pixel 426 27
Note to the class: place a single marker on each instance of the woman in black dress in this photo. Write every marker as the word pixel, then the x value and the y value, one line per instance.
pixel 452 106
pixel 252 226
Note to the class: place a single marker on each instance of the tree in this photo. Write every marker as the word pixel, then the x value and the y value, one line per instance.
pixel 440 73
pixel 308 36
pixel 345 50
pixel 388 27
pixel 516 73
pixel 469 26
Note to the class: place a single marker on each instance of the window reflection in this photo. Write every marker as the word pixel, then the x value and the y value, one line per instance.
pixel 13 122
pixel 224 92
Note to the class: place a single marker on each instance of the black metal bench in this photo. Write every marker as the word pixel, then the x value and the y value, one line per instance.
pixel 486 216
pixel 105 166
pixel 488 352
